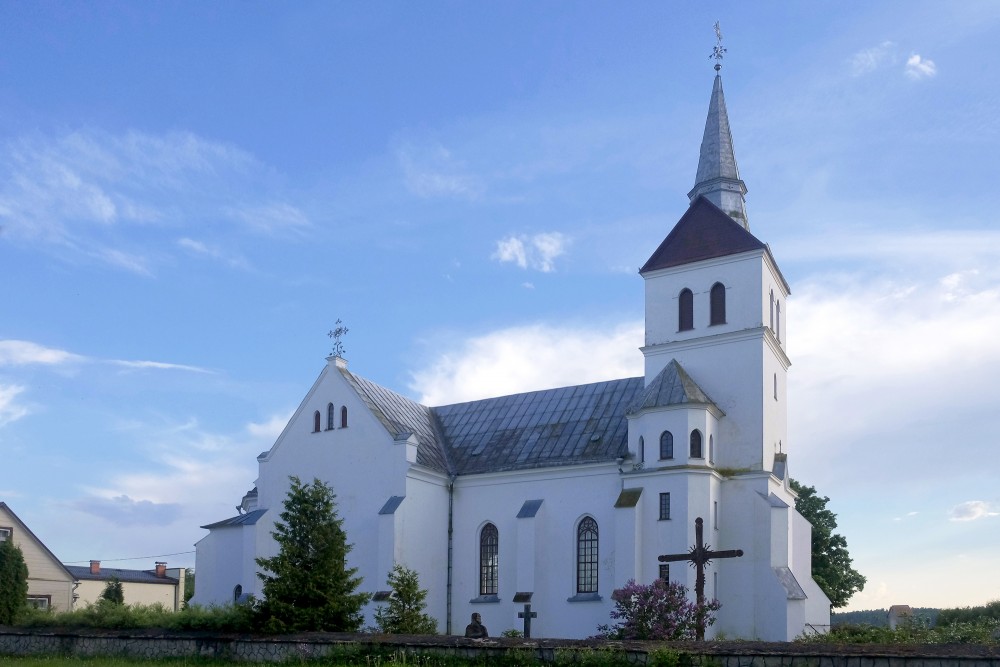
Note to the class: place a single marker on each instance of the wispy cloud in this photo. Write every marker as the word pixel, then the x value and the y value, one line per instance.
pixel 10 410
pixel 23 353
pixel 870 59
pixel 125 511
pixel 435 172
pixel 972 510
pixel 200 249
pixel 920 68
pixel 272 219
pixel 536 252
pixel 158 365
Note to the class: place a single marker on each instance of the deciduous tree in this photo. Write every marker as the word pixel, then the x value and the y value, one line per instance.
pixel 308 585
pixel 831 562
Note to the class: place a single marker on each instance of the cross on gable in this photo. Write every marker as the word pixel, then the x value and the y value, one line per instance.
pixel 699 556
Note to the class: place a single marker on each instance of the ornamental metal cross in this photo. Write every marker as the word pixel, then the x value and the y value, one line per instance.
pixel 336 335
pixel 699 556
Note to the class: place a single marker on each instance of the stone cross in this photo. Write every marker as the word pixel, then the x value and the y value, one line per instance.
pixel 527 615
pixel 699 556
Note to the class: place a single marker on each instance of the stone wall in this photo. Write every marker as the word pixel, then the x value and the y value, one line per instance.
pixel 152 644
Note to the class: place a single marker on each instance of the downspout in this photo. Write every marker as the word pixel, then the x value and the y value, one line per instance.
pixel 451 528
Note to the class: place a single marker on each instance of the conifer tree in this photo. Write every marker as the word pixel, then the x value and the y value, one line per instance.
pixel 405 613
pixel 113 592
pixel 308 585
pixel 13 582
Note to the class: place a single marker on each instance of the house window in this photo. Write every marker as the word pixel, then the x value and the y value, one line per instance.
pixel 711 449
pixel 489 549
pixel 343 417
pixel 685 310
pixel 666 445
pixel 665 571
pixel 586 556
pixel 42 602
pixel 717 304
pixel 237 593
pixel 664 506
pixel 696 444
pixel 642 450
pixel 329 416
pixel 5 534
pixel 316 422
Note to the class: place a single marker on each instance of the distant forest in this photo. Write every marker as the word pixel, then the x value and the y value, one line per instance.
pixel 879 618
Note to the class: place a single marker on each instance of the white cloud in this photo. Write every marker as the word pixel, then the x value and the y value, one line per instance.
pixel 158 365
pixel 920 68
pixel 10 410
pixel 870 59
pixel 537 252
pixel 435 172
pixel 22 353
pixel 972 510
pixel 201 249
pixel 274 219
pixel 528 358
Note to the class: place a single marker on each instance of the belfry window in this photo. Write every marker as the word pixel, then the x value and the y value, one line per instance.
pixel 711 449
pixel 772 311
pixel 642 450
pixel 489 551
pixel 696 444
pixel 316 421
pixel 329 416
pixel 343 417
pixel 685 310
pixel 586 556
pixel 666 445
pixel 717 304
pixel 777 321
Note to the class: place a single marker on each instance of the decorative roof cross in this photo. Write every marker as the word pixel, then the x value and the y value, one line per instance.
pixel 718 50
pixel 699 556
pixel 336 334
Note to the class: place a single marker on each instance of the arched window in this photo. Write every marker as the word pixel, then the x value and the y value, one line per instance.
pixel 666 445
pixel 711 449
pixel 237 593
pixel 685 310
pixel 329 416
pixel 696 444
pixel 586 556
pixel 316 422
pixel 343 417
pixel 772 311
pixel 489 550
pixel 775 386
pixel 717 304
pixel 642 450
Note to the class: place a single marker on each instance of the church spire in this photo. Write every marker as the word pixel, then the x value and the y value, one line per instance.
pixel 718 177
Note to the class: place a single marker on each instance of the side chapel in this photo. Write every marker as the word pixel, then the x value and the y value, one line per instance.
pixel 562 495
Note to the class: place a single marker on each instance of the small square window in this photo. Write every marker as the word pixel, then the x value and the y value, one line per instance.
pixel 665 571
pixel 664 506
pixel 5 534
pixel 39 601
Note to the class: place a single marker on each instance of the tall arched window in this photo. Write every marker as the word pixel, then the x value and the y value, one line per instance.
pixel 316 419
pixel 343 417
pixel 666 445
pixel 685 310
pixel 777 321
pixel 696 444
pixel 711 449
pixel 772 311
pixel 329 416
pixel 237 593
pixel 717 304
pixel 642 450
pixel 489 551
pixel 586 556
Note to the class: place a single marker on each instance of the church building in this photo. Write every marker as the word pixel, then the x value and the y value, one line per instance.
pixel 560 496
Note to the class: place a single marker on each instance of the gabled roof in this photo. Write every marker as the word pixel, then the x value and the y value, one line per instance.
pixel 703 232
pixel 82 572
pixel 247 519
pixel 27 531
pixel 672 386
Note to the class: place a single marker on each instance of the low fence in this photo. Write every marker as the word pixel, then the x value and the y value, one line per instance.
pixel 353 648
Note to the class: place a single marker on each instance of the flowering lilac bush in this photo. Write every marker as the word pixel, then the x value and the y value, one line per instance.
pixel 660 610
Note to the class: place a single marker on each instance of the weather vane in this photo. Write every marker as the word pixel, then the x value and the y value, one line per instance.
pixel 336 334
pixel 718 50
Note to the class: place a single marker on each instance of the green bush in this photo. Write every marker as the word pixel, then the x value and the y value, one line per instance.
pixel 917 631
pixel 112 616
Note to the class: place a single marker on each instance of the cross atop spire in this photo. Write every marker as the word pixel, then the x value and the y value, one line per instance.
pixel 718 177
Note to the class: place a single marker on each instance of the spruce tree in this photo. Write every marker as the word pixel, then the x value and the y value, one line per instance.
pixel 113 592
pixel 13 582
pixel 405 613
pixel 308 586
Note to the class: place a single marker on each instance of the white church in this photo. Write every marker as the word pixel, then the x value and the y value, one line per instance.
pixel 562 495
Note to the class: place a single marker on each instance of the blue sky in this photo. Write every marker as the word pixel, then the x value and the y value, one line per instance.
pixel 191 194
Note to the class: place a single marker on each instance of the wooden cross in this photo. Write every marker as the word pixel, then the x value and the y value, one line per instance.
pixel 527 615
pixel 699 556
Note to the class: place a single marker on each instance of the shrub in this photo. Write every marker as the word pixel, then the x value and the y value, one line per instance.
pixel 13 582
pixel 659 611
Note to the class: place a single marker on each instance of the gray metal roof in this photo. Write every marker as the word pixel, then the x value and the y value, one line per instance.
pixel 529 509
pixel 392 505
pixel 672 386
pixel 82 572
pixel 247 519
pixel 792 588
